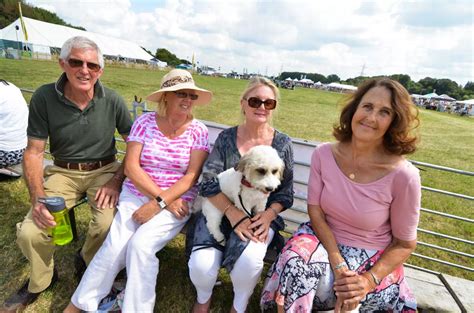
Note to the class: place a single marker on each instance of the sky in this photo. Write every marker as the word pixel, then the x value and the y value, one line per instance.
pixel 421 38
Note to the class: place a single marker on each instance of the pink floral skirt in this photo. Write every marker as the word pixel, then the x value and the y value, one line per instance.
pixel 301 278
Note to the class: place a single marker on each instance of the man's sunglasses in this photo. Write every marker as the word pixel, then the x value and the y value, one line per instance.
pixel 184 94
pixel 255 103
pixel 75 63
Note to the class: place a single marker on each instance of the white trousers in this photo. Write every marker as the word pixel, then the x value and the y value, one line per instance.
pixel 134 246
pixel 204 266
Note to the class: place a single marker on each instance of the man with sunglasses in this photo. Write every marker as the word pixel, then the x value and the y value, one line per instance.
pixel 79 116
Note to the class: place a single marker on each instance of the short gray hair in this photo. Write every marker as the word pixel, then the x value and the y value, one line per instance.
pixel 81 43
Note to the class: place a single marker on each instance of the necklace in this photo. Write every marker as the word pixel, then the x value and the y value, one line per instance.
pixel 352 176
pixel 173 130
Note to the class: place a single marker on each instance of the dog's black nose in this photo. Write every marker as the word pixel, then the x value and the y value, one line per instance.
pixel 269 189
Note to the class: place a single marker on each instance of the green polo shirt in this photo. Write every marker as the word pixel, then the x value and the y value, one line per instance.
pixel 75 135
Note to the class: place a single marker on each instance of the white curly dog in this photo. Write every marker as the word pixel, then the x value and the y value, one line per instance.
pixel 248 186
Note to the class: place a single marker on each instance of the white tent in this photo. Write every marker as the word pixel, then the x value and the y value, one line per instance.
pixel 306 81
pixel 341 86
pixel 42 35
pixel 470 101
pixel 446 97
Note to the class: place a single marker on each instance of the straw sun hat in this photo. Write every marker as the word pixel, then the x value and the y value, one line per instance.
pixel 178 79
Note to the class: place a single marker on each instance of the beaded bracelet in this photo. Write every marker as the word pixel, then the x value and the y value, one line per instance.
pixel 342 264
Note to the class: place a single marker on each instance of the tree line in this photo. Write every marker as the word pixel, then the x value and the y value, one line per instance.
pixel 164 55
pixel 423 86
pixel 9 13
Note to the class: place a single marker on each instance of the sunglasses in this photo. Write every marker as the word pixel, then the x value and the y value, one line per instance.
pixel 184 94
pixel 75 63
pixel 255 103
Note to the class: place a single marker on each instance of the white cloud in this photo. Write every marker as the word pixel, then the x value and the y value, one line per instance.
pixel 418 38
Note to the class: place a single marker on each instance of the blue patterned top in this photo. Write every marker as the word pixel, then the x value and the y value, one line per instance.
pixel 223 156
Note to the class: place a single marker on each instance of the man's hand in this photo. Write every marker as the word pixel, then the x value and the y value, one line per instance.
pixel 41 216
pixel 179 208
pixel 146 212
pixel 107 196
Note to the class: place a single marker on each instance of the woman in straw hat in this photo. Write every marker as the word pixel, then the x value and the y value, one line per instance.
pixel 247 238
pixel 165 153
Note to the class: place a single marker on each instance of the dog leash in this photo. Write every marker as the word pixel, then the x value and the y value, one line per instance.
pixel 243 207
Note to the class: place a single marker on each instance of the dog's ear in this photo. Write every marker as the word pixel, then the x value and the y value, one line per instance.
pixel 240 167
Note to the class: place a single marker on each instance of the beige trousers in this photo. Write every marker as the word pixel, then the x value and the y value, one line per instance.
pixel 72 185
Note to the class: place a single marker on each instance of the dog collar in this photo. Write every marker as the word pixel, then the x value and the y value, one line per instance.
pixel 245 182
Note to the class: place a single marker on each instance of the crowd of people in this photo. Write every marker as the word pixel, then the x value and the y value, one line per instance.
pixel 444 106
pixel 363 195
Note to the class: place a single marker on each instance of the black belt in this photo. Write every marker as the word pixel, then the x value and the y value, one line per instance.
pixel 87 166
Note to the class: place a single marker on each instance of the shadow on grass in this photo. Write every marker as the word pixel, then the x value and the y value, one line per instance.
pixel 176 293
pixel 174 290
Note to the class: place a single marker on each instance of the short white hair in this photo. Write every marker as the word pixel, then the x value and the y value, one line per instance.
pixel 81 43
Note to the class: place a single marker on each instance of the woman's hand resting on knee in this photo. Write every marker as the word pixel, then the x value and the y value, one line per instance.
pixel 350 289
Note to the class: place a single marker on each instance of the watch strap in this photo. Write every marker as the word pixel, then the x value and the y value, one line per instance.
pixel 161 202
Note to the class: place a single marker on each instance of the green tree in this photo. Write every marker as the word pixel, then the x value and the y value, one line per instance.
pixel 403 79
pixel 164 55
pixel 332 78
pixel 9 13
pixel 469 86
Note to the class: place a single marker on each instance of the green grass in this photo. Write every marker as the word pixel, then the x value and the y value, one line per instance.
pixel 304 113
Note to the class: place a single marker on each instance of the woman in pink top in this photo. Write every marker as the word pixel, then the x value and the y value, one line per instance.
pixel 363 204
pixel 165 154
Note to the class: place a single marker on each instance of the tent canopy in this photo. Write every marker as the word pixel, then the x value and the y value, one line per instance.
pixel 446 97
pixel 470 101
pixel 342 86
pixel 52 35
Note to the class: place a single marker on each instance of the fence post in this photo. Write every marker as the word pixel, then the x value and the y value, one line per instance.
pixel 137 103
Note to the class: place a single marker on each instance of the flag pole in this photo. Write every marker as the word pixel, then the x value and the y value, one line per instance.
pixel 23 26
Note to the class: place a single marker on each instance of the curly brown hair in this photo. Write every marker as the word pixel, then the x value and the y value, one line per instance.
pixel 400 137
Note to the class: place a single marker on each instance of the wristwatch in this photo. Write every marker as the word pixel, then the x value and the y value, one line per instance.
pixel 161 202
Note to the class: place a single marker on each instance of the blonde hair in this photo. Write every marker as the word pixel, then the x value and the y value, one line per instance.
pixel 259 81
pixel 162 106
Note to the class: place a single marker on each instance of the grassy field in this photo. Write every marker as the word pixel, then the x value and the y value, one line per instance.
pixel 304 113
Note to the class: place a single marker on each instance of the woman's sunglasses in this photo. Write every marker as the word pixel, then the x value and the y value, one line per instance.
pixel 75 63
pixel 184 94
pixel 255 103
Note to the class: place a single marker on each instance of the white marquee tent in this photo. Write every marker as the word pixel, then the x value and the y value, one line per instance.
pixel 42 36
pixel 341 86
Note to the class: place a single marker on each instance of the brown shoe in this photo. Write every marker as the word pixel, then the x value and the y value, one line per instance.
pixel 22 297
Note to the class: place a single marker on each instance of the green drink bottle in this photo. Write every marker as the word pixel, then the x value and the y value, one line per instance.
pixel 62 232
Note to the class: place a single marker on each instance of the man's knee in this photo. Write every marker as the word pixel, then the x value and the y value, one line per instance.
pixel 28 234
